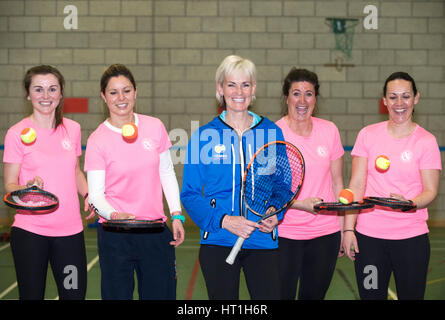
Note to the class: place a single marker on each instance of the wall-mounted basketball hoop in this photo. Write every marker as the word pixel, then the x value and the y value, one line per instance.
pixel 343 29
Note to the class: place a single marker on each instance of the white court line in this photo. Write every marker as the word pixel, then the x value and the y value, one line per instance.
pixel 4 247
pixel 392 294
pixel 10 288
pixel 92 263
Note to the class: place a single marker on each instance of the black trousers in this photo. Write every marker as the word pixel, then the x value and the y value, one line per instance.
pixel 309 264
pixel 379 258
pixel 260 269
pixel 67 256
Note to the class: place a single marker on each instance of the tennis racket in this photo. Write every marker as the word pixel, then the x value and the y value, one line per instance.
pixel 338 206
pixel 128 224
pixel 270 183
pixel 404 205
pixel 32 199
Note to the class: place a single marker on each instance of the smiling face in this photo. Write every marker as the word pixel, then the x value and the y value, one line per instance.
pixel 120 96
pixel 44 93
pixel 301 100
pixel 400 100
pixel 237 90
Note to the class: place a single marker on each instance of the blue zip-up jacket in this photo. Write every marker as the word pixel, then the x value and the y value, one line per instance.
pixel 215 161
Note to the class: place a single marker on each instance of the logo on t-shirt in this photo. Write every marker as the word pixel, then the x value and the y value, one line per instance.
pixel 322 151
pixel 147 144
pixel 66 144
pixel 406 156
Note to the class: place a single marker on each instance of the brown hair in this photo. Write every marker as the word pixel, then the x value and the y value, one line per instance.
pixel 297 75
pixel 43 70
pixel 400 76
pixel 115 70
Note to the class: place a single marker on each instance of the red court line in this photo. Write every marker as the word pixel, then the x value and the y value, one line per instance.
pixel 192 281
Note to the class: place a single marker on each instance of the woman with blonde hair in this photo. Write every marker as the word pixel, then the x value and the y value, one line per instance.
pixel 217 155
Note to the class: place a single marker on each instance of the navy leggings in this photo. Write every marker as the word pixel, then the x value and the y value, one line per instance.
pixel 67 256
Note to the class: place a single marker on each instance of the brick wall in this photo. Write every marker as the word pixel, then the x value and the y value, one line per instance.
pixel 174 46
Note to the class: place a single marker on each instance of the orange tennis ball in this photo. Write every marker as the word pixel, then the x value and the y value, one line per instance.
pixel 28 135
pixel 382 163
pixel 346 196
pixel 129 131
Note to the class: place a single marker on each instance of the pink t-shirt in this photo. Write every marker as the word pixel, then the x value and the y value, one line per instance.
pixel 408 156
pixel 321 147
pixel 132 181
pixel 53 157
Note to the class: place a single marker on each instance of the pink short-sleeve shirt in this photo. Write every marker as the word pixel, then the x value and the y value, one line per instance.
pixel 53 157
pixel 408 157
pixel 319 149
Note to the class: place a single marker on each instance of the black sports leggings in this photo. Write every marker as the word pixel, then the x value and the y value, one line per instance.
pixel 378 258
pixel 222 280
pixel 311 263
pixel 67 256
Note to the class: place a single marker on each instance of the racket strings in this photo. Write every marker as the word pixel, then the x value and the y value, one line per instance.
pixel 273 177
pixel 33 199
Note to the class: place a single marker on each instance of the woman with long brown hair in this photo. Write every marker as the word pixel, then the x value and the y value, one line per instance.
pixel 52 163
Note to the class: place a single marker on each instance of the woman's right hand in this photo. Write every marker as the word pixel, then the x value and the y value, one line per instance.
pixel 306 204
pixel 239 226
pixel 36 181
pixel 122 216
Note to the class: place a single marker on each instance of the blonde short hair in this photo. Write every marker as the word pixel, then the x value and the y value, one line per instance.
pixel 230 65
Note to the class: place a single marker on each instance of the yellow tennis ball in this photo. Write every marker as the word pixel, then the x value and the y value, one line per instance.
pixel 129 131
pixel 28 135
pixel 346 196
pixel 382 163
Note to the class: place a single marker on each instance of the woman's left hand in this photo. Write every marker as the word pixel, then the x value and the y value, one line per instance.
pixel 397 196
pixel 178 233
pixel 268 224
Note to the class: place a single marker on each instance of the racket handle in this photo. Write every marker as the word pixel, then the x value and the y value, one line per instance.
pixel 236 248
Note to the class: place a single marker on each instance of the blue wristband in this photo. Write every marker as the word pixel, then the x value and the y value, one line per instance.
pixel 179 216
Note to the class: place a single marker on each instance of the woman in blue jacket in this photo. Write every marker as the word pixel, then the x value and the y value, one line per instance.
pixel 217 155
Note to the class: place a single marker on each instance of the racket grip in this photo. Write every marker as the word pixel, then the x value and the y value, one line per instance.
pixel 236 248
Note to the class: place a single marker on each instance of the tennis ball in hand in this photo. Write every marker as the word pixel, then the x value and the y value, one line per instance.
pixel 346 196
pixel 28 135
pixel 382 163
pixel 129 132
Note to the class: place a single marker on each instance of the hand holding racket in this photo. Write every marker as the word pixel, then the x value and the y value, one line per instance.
pixel 271 181
pixel 307 204
pixel 36 181
pixel 268 225
pixel 338 206
pixel 32 199
pixel 393 203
